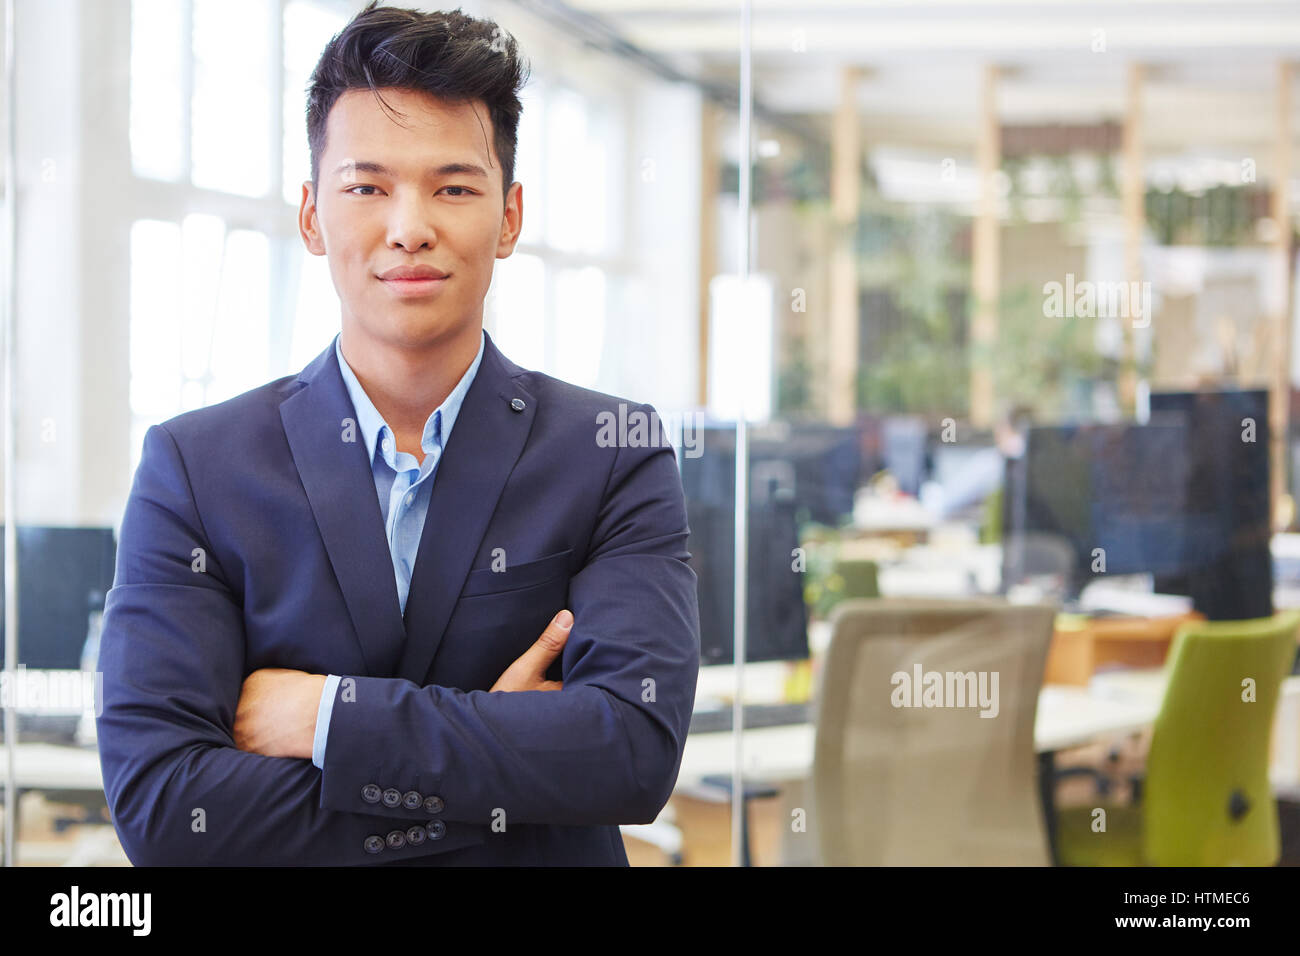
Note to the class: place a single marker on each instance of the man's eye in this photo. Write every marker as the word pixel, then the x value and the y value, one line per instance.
pixel 349 189
pixel 463 190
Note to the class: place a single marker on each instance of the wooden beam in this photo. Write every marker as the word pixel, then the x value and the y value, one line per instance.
pixel 710 173
pixel 986 257
pixel 1280 320
pixel 846 195
pixel 1132 196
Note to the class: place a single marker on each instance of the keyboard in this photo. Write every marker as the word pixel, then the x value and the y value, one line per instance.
pixel 756 716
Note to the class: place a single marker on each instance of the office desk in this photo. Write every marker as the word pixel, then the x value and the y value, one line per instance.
pixel 1067 717
pixel 903 514
pixel 1147 687
pixel 54 767
pixel 1082 647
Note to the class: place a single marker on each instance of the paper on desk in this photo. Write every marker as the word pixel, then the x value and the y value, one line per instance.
pixel 1101 596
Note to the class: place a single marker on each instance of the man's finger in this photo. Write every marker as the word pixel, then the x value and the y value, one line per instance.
pixel 549 644
pixel 532 663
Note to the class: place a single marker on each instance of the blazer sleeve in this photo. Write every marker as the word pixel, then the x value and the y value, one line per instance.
pixel 172 659
pixel 606 749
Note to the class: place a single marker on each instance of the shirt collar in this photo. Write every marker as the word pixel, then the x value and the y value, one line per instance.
pixel 372 423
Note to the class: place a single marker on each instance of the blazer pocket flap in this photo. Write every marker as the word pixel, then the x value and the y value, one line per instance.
pixel 515 576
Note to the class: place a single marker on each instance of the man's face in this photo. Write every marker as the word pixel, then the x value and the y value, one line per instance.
pixel 385 200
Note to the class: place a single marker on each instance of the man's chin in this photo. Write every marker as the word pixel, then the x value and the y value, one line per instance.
pixel 409 332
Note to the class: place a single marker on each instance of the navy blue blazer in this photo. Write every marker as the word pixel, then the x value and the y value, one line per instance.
pixel 253 538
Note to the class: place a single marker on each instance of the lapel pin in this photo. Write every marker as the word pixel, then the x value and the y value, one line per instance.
pixel 517 404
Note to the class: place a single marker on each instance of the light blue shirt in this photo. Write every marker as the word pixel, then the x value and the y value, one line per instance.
pixel 403 485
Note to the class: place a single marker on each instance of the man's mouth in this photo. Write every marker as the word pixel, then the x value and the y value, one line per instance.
pixel 413 271
pixel 414 285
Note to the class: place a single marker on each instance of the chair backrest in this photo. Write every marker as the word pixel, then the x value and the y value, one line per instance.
pixel 860 577
pixel 899 784
pixel 991 522
pixel 1207 799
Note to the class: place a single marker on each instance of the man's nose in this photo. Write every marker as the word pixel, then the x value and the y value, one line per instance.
pixel 411 223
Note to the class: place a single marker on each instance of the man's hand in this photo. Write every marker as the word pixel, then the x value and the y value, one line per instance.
pixel 276 715
pixel 528 672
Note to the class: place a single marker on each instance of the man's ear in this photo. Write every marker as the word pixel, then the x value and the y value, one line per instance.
pixel 309 221
pixel 512 220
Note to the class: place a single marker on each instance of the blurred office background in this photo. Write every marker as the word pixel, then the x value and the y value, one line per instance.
pixel 1015 346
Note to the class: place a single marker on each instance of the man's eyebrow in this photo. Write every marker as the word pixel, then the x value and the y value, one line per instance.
pixel 446 169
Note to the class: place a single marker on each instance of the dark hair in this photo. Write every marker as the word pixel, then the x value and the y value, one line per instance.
pixel 449 55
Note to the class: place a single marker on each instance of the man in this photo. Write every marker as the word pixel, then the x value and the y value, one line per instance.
pixel 316 653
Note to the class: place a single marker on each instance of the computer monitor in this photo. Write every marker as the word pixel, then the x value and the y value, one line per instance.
pixel 903 447
pixel 965 474
pixel 1182 498
pixel 819 467
pixel 1112 497
pixel 1229 574
pixel 776 620
pixel 64 573
pixel 951 459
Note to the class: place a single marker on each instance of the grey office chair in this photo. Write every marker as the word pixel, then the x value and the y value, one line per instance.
pixel 919 786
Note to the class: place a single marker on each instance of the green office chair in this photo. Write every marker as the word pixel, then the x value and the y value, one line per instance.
pixel 860 577
pixel 1207 799
pixel 991 523
pixel 849 578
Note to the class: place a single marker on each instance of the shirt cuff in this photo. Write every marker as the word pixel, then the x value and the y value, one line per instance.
pixel 323 712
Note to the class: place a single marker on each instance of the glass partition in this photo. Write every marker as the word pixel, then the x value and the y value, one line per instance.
pixel 971 330
pixel 1030 390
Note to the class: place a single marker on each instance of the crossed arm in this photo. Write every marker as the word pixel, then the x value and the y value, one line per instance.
pixel 182 789
pixel 276 714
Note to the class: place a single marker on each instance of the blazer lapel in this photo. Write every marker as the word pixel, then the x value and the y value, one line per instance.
pixel 340 486
pixel 485 443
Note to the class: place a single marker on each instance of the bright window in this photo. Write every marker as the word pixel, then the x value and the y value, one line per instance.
pixel 548 306
pixel 218 127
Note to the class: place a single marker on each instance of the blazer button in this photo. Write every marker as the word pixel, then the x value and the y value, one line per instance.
pixel 436 829
pixel 411 800
pixel 433 804
pixel 392 797
pixel 517 404
pixel 396 839
pixel 416 835
pixel 371 793
pixel 374 844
